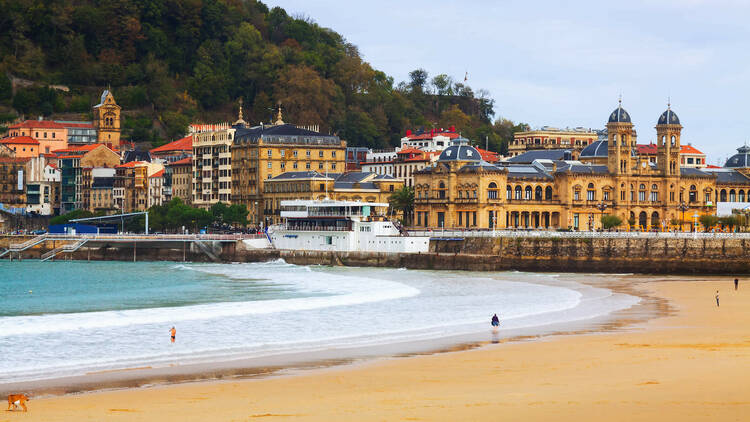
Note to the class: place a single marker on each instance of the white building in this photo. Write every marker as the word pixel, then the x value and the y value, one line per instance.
pixel 341 226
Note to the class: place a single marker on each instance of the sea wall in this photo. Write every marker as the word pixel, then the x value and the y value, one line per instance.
pixel 612 255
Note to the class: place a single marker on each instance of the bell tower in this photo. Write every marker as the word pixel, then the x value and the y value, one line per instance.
pixel 107 120
pixel 621 142
pixel 668 130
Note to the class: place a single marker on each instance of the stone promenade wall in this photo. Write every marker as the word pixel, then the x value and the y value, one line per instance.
pixel 612 255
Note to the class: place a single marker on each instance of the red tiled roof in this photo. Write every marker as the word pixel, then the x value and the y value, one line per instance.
pixel 488 156
pixel 19 140
pixel 646 149
pixel 70 156
pixel 711 166
pixel 184 144
pixel 78 149
pixel 184 161
pixel 53 165
pixel 42 124
pixel 159 173
pixel 130 164
pixel 410 151
pixel 689 149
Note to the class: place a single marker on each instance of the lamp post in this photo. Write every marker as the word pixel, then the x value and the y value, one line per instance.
pixel 601 206
pixel 683 207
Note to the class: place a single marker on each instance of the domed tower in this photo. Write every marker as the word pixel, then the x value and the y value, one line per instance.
pixel 621 142
pixel 668 130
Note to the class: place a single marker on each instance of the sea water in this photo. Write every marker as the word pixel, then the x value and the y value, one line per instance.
pixel 68 318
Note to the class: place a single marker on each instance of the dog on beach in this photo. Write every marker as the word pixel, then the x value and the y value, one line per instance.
pixel 15 400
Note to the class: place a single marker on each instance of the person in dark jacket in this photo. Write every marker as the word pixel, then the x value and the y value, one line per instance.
pixel 495 320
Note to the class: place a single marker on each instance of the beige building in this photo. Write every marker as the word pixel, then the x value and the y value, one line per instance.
pixel 462 191
pixel 551 138
pixel 180 176
pixel 263 152
pixel 212 166
pixel 131 187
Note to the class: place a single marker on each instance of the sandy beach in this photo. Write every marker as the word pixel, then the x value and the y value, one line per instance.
pixel 693 364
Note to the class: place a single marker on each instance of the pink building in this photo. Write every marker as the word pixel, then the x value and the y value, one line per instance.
pixel 50 135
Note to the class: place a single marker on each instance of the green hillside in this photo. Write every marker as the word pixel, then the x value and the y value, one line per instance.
pixel 171 62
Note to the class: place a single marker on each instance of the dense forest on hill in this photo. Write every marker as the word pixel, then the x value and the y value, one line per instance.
pixel 172 62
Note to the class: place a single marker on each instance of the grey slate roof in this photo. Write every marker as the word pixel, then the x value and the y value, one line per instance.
pixel 543 154
pixel 693 172
pixel 739 160
pixel 619 116
pixel 728 177
pixel 136 155
pixel 668 118
pixel 283 134
pixel 596 149
pixel 576 167
pixel 301 175
pixel 460 153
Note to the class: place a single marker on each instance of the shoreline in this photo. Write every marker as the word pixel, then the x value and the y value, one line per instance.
pixel 302 361
pixel 690 364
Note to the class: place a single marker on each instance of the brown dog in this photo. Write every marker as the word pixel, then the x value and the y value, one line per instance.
pixel 15 400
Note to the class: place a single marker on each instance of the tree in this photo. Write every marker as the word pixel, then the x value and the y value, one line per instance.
pixel 218 211
pixel 65 218
pixel 418 79
pixel 236 214
pixel 402 201
pixel 708 221
pixel 610 221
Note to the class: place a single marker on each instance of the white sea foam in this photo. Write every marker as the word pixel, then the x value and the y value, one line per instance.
pixel 314 308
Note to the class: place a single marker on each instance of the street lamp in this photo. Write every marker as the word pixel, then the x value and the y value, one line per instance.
pixel 683 207
pixel 601 206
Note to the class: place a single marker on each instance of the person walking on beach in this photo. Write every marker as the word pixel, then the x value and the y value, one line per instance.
pixel 495 321
pixel 736 283
pixel 717 298
pixel 173 332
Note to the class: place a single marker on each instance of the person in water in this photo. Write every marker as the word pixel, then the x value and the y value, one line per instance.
pixel 495 320
pixel 173 332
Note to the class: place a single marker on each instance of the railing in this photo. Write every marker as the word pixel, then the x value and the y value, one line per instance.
pixel 453 233
pixel 152 237
pixel 17 247
pixel 71 247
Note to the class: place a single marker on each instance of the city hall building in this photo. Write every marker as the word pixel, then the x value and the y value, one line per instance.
pixel 463 191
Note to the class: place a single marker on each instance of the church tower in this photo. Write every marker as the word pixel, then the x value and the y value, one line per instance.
pixel 621 142
pixel 107 120
pixel 668 130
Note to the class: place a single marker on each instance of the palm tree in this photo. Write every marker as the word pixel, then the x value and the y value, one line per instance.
pixel 402 200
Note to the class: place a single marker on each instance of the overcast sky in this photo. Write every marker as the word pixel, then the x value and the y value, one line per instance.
pixel 564 64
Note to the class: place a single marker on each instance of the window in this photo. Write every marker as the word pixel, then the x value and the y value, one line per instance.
pixel 269 164
pixel 283 165
pixel 333 154
pixel 307 153
pixel 576 195
pixel 320 166
pixel 654 196
pixel 642 195
pixel 508 192
pixel 527 195
pixel 590 195
pixel 282 152
pixel 269 153
pixel 294 166
pixel 605 195
pixel 492 191
pixel 294 153
pixel 320 153
pixel 307 166
pixel 333 166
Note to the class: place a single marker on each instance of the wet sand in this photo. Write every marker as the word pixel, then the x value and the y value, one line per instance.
pixel 691 364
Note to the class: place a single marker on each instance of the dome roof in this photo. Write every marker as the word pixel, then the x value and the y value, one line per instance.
pixel 739 160
pixel 460 151
pixel 596 149
pixel 619 116
pixel 668 118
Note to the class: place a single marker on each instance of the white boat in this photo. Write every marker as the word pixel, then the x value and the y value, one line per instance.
pixel 342 226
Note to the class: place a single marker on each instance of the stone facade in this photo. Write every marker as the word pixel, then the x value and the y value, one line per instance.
pixel 463 191
pixel 107 120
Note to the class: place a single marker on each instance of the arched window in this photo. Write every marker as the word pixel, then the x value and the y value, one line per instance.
pixel 741 196
pixel 548 193
pixel 508 192
pixel 655 219
pixel 492 191
pixel 528 193
pixel 538 193
pixel 723 196
pixel 674 140
pixel 732 196
pixel 654 187
pixel 519 192
pixel 642 187
pixel 590 193
pixel 441 190
pixel 693 194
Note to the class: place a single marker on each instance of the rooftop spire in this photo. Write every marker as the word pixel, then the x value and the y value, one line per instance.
pixel 239 115
pixel 279 121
